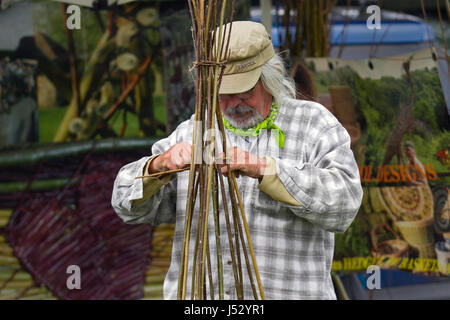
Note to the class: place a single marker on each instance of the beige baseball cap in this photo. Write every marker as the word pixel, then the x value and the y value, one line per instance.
pixel 249 48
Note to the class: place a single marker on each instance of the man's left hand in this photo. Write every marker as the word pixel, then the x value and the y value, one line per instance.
pixel 243 162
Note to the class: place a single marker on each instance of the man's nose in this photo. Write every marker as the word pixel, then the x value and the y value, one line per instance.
pixel 233 101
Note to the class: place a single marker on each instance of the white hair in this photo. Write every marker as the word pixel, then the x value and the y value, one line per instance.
pixel 276 81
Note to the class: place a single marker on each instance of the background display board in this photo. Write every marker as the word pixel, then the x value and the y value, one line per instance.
pixel 395 113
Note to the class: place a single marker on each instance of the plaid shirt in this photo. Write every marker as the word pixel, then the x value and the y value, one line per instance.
pixel 293 245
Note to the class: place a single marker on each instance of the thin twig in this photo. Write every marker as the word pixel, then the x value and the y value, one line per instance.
pixel 162 173
pixel 244 220
pixel 217 234
pixel 234 207
pixel 210 279
pixel 73 62
pixel 129 88
pixel 230 237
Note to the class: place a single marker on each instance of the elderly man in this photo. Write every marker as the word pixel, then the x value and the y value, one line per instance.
pixel 299 181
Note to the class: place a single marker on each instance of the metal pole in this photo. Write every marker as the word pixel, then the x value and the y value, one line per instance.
pixel 266 14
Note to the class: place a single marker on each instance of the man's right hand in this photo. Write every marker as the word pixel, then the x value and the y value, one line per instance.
pixel 177 157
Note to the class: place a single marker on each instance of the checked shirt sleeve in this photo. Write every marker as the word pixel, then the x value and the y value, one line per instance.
pixel 273 186
pixel 130 198
pixel 327 184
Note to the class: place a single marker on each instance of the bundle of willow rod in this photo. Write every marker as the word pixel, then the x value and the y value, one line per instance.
pixel 210 21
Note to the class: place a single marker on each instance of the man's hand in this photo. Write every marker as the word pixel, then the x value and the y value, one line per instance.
pixel 243 162
pixel 177 157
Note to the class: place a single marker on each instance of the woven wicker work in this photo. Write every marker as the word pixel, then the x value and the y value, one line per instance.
pixel 49 231
pixel 417 233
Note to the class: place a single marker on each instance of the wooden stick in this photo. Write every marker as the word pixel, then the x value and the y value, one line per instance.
pixel 240 235
pixel 73 62
pixel 235 212
pixel 129 88
pixel 182 276
pixel 217 234
pixel 210 277
pixel 162 172
pixel 230 238
pixel 244 219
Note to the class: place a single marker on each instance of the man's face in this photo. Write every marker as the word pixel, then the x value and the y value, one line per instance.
pixel 409 153
pixel 247 109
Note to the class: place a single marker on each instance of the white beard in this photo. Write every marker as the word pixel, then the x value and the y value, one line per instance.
pixel 246 123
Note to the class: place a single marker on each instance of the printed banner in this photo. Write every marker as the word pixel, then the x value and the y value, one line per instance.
pixel 18 108
pixel 395 113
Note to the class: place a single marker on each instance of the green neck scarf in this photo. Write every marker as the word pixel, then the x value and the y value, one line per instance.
pixel 267 124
